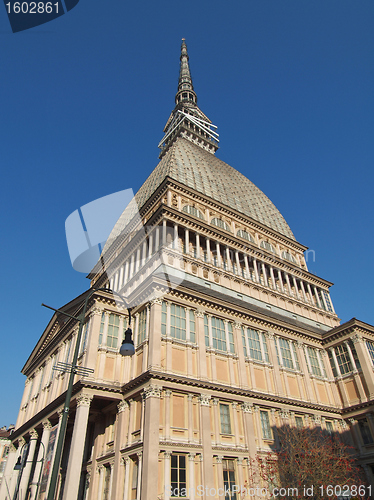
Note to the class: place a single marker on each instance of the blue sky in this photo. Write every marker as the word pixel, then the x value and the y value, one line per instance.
pixel 84 100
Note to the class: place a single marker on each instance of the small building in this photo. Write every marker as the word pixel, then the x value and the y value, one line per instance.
pixel 233 337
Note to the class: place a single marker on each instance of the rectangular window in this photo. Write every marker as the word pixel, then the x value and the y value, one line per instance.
pixel 244 344
pixel 286 353
pixel 299 422
pixel 332 363
pixel 328 301
pixel 163 317
pixel 192 326
pixel 177 322
pixel 363 425
pixel 206 330
pixel 113 331
pixel 254 344
pixel 142 326
pixel 342 356
pixel 84 338
pixel 229 479
pixel 218 334
pixel 314 365
pixel 102 324
pixel 370 347
pixel 329 427
pixel 231 338
pixel 224 411
pixel 178 476
pixel 265 425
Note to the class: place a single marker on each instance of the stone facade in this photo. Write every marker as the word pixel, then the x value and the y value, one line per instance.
pixel 233 338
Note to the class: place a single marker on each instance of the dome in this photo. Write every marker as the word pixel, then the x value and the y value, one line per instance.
pixel 200 170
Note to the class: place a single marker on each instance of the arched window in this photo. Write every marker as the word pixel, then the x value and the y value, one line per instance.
pixel 289 257
pixel 267 246
pixel 245 235
pixel 221 224
pixel 193 211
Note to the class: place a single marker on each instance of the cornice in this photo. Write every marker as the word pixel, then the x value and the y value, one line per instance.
pixel 267 399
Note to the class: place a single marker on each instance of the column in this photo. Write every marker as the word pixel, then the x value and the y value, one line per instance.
pixel 126 462
pixel 200 339
pixel 154 329
pixel 167 474
pixel 190 418
pixel 216 419
pixel 219 262
pixel 207 242
pixel 120 284
pixel 187 241
pixel 324 300
pixel 220 476
pixel 41 455
pixel 272 278
pixel 157 238
pixel 249 429
pixel 175 244
pixel 152 395
pixel 288 284
pixel 93 337
pixel 137 260
pixel 296 289
pixel 365 362
pixel 126 277
pixel 310 294
pixel 303 290
pixel 305 370
pixel 27 469
pixel 240 473
pixel 191 483
pixel 9 472
pixel 280 279
pixel 264 274
pixel 140 475
pixel 101 470
pixel 16 474
pixel 164 233
pixel 119 442
pixel 228 260
pixel 243 380
pixel 150 247
pixel 131 421
pixel 115 286
pixel 167 396
pixel 205 433
pixel 197 246
pixel 247 267
pixel 274 361
pixel 237 261
pixel 236 424
pixel 317 298
pixel 74 469
pixel 256 270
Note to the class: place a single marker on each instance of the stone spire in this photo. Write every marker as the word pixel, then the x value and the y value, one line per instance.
pixel 185 86
pixel 187 120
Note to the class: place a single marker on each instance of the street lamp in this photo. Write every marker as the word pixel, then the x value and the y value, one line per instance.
pixel 127 349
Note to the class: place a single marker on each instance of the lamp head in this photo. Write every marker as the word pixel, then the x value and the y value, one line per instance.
pixel 127 347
